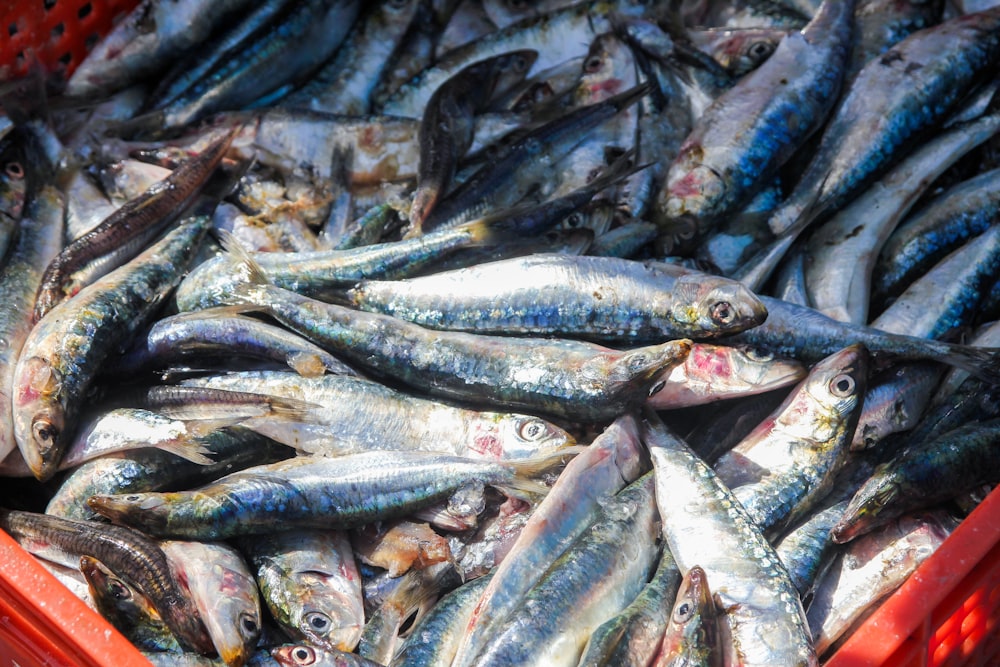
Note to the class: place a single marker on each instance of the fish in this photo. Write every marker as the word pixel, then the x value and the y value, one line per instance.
pixel 692 635
pixel 309 492
pixel 705 525
pixel 788 463
pixel 589 297
pixel 594 579
pixel 353 415
pixel 127 609
pixel 62 353
pixel 741 141
pixel 718 372
pixel 127 230
pixel 961 460
pixel 310 583
pixel 634 636
pixel 137 559
pixel 555 378
pixel 612 461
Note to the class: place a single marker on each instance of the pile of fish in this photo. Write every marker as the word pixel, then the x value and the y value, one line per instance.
pixel 487 332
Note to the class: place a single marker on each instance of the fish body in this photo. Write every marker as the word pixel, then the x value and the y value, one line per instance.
pixel 590 297
pixel 66 348
pixel 560 378
pixel 705 525
pixel 751 130
pixel 594 579
pixel 788 463
pixel 305 492
pixel 354 415
pixel 611 461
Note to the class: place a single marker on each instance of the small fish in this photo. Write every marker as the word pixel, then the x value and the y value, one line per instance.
pixel 718 372
pixel 138 560
pixel 591 297
pixel 894 402
pixel 603 469
pixel 788 463
pixel 217 579
pixel 127 608
pixel 705 525
pixel 632 638
pixel 870 568
pixel 310 492
pixel 961 459
pixel 64 350
pixel 692 636
pixel 311 585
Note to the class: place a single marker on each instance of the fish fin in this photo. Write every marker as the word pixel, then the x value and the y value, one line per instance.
pixel 242 257
pixel 983 362
pixel 525 485
pixel 307 364
pixel 193 450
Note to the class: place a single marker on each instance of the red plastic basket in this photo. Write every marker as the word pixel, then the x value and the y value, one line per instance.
pixel 945 615
pixel 57 34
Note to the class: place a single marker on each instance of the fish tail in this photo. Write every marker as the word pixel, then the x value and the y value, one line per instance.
pixel 190 449
pixel 983 362
pixel 525 484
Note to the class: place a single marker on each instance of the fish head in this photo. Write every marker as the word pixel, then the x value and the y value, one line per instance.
pixel 515 437
pixel 693 189
pixel 147 511
pixel 838 383
pixel 607 70
pixel 644 365
pixel 114 597
pixel 705 306
pixel 873 505
pixel 760 369
pixel 39 416
pixel 325 616
pixel 13 186
pixel 304 655
pixel 511 69
pixel 692 634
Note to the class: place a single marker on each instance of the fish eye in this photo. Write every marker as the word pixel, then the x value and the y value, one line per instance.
pixel 118 590
pixel 842 385
pixel 318 622
pixel 574 220
pixel 15 170
pixel 133 498
pixel 249 625
pixel 520 64
pixel 758 354
pixel 722 312
pixel 684 612
pixel 396 4
pixel 658 387
pixel 303 655
pixel 531 430
pixel 44 432
pixel 517 4
pixel 593 64
pixel 760 50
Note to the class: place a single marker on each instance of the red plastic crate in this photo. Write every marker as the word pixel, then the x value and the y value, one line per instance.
pixel 57 34
pixel 945 615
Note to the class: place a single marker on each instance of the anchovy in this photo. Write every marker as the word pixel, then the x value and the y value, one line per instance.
pixel 788 463
pixel 305 492
pixel 65 349
pixel 692 636
pixel 705 525
pixel 961 459
pixel 137 559
pixel 589 297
